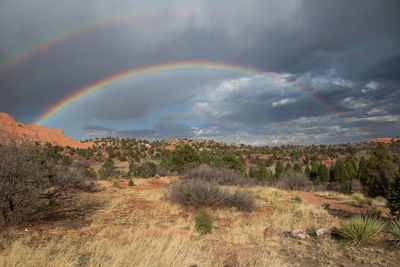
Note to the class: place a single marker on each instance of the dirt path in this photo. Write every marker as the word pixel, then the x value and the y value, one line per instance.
pixel 334 205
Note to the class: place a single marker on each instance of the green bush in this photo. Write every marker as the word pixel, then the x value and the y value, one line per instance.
pixel 203 222
pixel 130 182
pixel 363 229
pixel 90 172
pixel 183 157
pixel 394 196
pixel 107 169
pixel 378 173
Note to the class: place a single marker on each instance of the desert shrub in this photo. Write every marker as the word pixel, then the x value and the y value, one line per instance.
pixel 63 179
pixel 90 172
pixel 146 170
pixel 130 182
pixel 107 169
pixel 198 193
pixel 23 177
pixel 229 160
pixel 395 230
pixel 220 176
pixel 203 222
pixel 362 229
pixel 294 181
pixel 183 157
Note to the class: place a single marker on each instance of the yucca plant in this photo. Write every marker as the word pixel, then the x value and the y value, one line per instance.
pixel 363 229
pixel 395 230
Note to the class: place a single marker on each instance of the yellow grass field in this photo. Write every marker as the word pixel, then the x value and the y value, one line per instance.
pixel 138 226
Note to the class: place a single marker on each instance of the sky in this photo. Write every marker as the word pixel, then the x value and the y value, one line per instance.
pixel 303 72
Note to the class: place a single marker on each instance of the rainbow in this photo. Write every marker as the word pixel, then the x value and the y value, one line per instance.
pixel 38 47
pixel 143 72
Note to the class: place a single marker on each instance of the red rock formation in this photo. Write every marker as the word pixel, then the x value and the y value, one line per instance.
pixel 384 140
pixel 11 130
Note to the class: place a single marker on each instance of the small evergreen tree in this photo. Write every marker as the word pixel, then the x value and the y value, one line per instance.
pixel 378 173
pixel 323 173
pixel 297 168
pixel 341 177
pixel 361 167
pixel 261 173
pixel 278 171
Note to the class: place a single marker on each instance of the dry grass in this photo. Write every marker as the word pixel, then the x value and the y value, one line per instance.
pixel 356 199
pixel 137 226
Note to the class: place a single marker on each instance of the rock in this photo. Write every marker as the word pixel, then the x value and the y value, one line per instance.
pixel 15 132
pixel 269 231
pixel 300 234
pixel 323 232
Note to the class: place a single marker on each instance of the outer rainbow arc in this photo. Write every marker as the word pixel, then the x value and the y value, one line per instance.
pixel 42 45
pixel 175 66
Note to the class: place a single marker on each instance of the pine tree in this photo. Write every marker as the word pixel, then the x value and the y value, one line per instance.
pixel 378 173
pixel 351 172
pixel 314 171
pixel 307 171
pixel 297 168
pixel 261 173
pixel 361 167
pixel 340 176
pixel 278 171
pixel 323 173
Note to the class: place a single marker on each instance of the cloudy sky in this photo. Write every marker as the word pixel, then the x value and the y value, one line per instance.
pixel 317 71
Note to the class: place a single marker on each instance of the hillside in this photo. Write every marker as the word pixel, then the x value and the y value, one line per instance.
pixel 13 131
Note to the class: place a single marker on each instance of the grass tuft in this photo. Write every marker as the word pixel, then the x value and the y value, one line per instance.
pixel 395 230
pixel 363 229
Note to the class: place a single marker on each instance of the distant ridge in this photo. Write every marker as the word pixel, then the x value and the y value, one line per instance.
pixel 384 140
pixel 13 131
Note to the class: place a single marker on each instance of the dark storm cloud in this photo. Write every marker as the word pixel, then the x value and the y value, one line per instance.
pixel 346 53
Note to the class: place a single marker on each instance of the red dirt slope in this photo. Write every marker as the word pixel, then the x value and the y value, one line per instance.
pixel 11 130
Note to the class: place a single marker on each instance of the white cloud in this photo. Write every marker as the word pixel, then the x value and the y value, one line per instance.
pixel 343 82
pixel 375 111
pixel 387 118
pixel 353 103
pixel 284 101
pixel 370 86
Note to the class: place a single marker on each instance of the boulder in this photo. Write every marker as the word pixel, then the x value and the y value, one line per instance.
pixel 300 234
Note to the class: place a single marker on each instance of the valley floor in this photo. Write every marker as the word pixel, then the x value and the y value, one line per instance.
pixel 138 226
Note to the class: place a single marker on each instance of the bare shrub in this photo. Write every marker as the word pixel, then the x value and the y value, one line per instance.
pixel 220 176
pixel 68 178
pixel 200 193
pixel 294 181
pixel 356 186
pixel 26 177
pixel 23 177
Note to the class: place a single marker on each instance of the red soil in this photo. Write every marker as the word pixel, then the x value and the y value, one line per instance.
pixel 319 201
pixel 13 131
